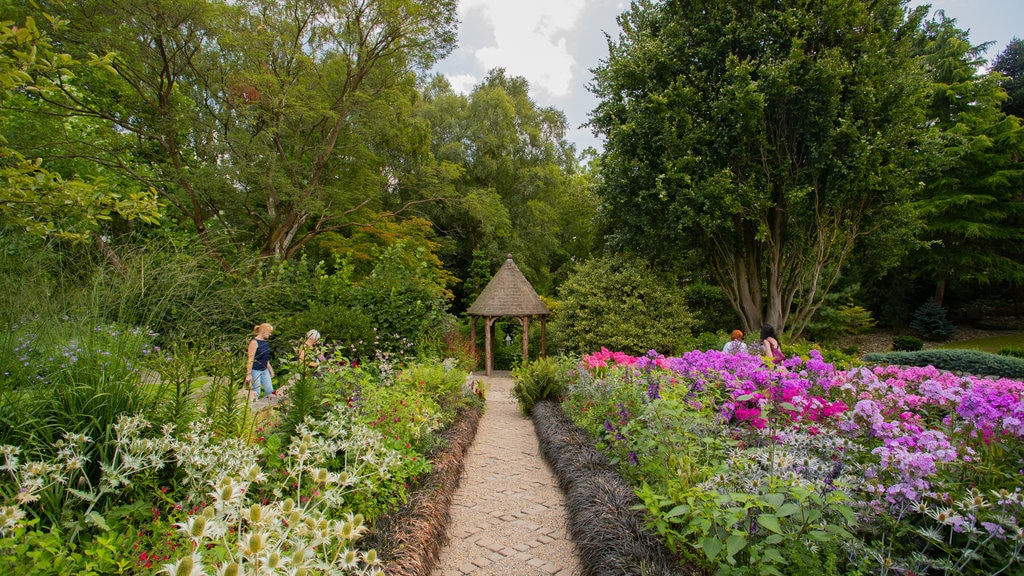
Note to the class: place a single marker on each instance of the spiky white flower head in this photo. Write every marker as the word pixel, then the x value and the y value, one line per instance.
pixel 348 559
pixel 185 566
pixel 10 517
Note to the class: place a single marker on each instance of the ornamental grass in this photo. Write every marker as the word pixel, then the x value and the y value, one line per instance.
pixel 610 534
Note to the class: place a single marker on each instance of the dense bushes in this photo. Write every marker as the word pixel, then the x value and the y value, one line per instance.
pixel 968 361
pixel 907 343
pixel 619 303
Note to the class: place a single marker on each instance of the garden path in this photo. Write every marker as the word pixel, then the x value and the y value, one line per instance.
pixel 508 517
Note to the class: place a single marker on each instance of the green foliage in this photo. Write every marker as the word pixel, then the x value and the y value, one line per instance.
pixel 224 133
pixel 710 308
pixel 841 359
pixel 858 319
pixel 702 341
pixel 931 323
pixel 521 189
pixel 969 361
pixel 403 300
pixel 769 140
pixel 907 343
pixel 1010 63
pixel 972 205
pixel 32 197
pixel 539 380
pixel 621 304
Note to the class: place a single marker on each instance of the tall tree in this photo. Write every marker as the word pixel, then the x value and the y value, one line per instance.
pixel 34 198
pixel 253 114
pixel 974 205
pixel 521 189
pixel 769 135
pixel 1010 63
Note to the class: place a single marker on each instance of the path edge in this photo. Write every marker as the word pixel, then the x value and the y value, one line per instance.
pixel 610 534
pixel 410 540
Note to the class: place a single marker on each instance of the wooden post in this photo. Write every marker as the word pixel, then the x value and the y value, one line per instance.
pixel 489 345
pixel 525 321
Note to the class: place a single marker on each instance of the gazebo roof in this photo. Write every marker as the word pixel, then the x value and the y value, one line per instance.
pixel 509 293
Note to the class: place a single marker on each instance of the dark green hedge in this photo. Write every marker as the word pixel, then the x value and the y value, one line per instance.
pixel 969 361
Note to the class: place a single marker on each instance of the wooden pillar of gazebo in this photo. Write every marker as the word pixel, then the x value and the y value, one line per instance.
pixel 489 344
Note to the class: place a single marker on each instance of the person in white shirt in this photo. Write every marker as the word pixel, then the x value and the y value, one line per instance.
pixel 735 344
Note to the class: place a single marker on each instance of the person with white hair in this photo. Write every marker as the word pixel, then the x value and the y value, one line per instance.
pixel 312 339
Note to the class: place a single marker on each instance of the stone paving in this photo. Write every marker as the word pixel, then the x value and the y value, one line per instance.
pixel 508 517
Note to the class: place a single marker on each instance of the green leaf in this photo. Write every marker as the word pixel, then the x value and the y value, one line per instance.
pixel 788 509
pixel 744 397
pixel 98 521
pixel 838 531
pixel 734 544
pixel 774 539
pixel 774 500
pixel 770 522
pixel 847 513
pixel 678 511
pixel 819 535
pixel 712 547
pixel 789 407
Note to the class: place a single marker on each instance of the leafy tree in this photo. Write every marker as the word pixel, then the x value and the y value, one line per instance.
pixel 973 206
pixel 769 136
pixel 521 189
pixel 619 303
pixel 33 198
pixel 253 117
pixel 1010 63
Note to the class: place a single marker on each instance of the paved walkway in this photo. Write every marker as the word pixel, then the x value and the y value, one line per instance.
pixel 508 517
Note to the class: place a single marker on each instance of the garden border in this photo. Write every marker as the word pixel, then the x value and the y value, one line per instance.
pixel 610 532
pixel 410 539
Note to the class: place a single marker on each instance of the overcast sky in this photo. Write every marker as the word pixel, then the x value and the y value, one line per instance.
pixel 555 43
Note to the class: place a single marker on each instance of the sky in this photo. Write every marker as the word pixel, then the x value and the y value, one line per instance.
pixel 555 43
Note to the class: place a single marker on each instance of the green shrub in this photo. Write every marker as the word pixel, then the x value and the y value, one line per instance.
pixel 969 361
pixel 539 380
pixel 907 343
pixel 931 323
pixel 710 308
pixel 703 341
pixel 404 298
pixel 841 359
pixel 1014 352
pixel 619 303
pixel 857 319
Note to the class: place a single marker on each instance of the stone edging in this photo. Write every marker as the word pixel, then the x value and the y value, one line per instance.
pixel 410 539
pixel 611 537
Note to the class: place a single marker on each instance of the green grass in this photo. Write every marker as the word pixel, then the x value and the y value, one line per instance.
pixel 992 344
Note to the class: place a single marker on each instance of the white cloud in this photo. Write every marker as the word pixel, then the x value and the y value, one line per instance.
pixel 529 39
pixel 462 83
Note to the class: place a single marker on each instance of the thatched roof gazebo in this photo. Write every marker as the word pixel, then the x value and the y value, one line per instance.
pixel 508 293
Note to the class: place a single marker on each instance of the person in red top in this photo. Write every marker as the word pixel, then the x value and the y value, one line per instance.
pixel 258 371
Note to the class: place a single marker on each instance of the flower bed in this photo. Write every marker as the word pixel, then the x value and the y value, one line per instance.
pixel 155 479
pixel 747 468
